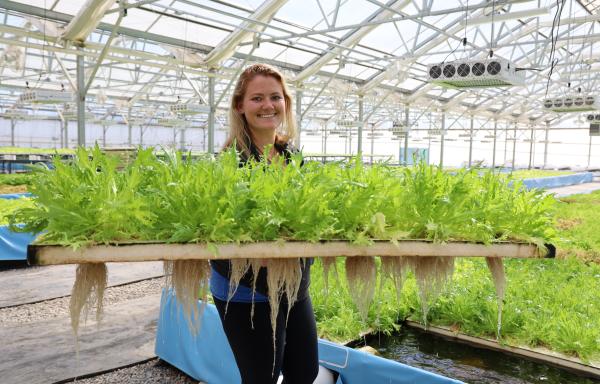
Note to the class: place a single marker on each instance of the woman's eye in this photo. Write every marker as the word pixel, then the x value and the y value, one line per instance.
pixel 276 98
pixel 256 99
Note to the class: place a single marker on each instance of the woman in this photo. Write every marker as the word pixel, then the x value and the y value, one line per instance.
pixel 261 119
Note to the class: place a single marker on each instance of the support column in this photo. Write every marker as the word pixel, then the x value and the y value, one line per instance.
pixel 350 140
pixel 211 114
pixel 442 135
pixel 182 139
pixel 589 152
pixel 428 149
pixel 299 115
pixel 531 146
pixel 66 131
pixel 406 125
pixel 361 124
pixel 13 123
pixel 80 99
pixel 104 128
pixel 324 141
pixel 372 141
pixel 505 143
pixel 141 135
pixel 514 146
pixel 62 132
pixel 129 127
pixel 494 146
pixel 546 145
pixel 471 143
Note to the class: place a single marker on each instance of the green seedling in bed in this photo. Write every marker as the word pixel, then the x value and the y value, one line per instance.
pixel 94 199
pixel 552 304
pixel 16 179
pixel 9 206
pixel 578 225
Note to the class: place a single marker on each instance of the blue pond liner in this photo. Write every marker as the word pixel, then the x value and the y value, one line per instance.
pixel 208 357
pixel 558 181
pixel 13 245
pixel 13 196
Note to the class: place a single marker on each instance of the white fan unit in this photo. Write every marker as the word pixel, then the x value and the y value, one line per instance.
pixel 399 128
pixel 494 72
pixel 167 122
pixel 72 115
pixel 189 109
pixel 134 122
pixel 593 118
pixel 311 133
pixel 577 103
pixel 40 96
pixel 348 123
pixel 15 114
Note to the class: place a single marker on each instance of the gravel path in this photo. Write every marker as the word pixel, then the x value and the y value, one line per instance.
pixel 153 372
pixel 51 309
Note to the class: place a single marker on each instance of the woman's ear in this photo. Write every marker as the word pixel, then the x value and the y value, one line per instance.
pixel 239 108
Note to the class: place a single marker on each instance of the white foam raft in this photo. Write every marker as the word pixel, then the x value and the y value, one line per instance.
pixel 40 254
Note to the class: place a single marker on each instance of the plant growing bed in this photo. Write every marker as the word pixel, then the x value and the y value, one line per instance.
pixel 94 210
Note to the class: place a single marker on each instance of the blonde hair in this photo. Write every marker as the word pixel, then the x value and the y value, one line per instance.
pixel 239 131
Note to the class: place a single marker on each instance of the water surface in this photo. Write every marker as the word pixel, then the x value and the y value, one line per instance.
pixel 466 363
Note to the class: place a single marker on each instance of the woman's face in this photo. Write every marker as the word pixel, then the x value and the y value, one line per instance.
pixel 263 104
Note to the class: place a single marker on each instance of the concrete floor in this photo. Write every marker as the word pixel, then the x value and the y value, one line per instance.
pixel 575 189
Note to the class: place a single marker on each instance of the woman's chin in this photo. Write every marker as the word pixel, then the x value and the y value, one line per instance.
pixel 265 128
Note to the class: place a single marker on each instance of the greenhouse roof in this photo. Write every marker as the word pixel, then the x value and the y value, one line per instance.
pixel 141 56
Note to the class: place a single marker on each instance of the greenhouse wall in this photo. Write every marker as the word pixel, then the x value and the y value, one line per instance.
pixel 566 147
pixel 47 134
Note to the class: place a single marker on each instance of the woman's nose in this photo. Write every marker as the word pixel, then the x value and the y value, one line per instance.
pixel 267 103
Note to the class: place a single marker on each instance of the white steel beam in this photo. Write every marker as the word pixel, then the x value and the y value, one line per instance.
pixel 185 57
pixel 47 27
pixel 65 72
pixel 227 47
pixel 86 20
pixel 147 87
pixel 103 54
pixel 455 27
pixel 350 40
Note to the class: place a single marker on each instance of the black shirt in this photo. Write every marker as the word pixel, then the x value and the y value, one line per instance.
pixel 223 267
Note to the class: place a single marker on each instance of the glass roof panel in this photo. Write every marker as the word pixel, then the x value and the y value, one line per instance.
pixel 347 14
pixel 64 6
pixel 302 12
pixel 249 4
pixel 209 12
pixel 136 19
pixel 209 22
pixel 189 32
pixel 386 38
pixel 351 70
pixel 295 56
pixel 409 84
pixel 35 3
